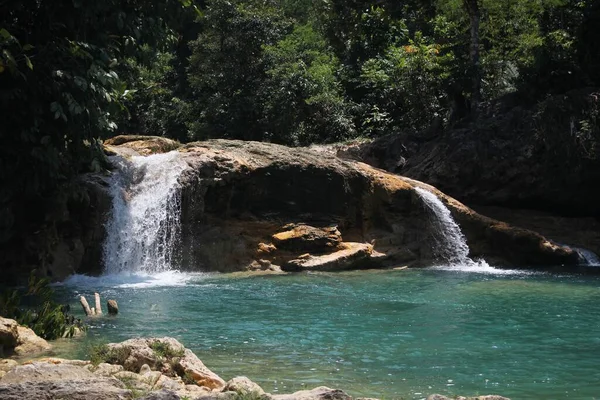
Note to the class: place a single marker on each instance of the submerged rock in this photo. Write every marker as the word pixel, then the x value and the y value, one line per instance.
pixel 113 307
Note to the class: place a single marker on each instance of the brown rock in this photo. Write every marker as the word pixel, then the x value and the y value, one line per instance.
pixel 353 256
pixel 487 397
pixel 112 307
pixel 143 145
pixel 9 336
pixel 42 381
pixel 19 340
pixel 308 238
pixel 190 367
pixel 320 393
pixel 243 385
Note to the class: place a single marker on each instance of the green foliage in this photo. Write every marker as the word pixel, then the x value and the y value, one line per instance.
pixel 228 69
pixel 303 99
pixel 569 127
pixel 45 317
pixel 405 87
pixel 61 91
pixel 102 353
pixel 164 350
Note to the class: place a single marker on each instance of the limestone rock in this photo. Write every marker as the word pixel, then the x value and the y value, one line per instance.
pixel 191 367
pixel 243 385
pixel 185 363
pixel 306 238
pixel 353 255
pixel 142 145
pixel 7 364
pixel 242 191
pixel 19 340
pixel 320 393
pixel 488 397
pixel 104 369
pixel 42 381
pixel 161 395
pixel 112 307
pixel 9 336
pixel 164 382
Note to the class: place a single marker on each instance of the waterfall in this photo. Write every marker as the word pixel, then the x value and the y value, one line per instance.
pixel 450 245
pixel 587 257
pixel 143 231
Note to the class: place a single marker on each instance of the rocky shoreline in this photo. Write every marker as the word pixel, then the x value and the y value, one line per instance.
pixel 150 369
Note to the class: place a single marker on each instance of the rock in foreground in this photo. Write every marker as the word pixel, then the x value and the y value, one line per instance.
pixel 167 371
pixel 19 340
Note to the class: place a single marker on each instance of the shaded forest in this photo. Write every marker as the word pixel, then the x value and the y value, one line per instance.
pixel 294 72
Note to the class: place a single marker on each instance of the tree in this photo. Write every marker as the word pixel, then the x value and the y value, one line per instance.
pixel 473 10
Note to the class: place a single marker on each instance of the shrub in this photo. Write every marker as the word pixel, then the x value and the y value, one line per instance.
pixel 44 316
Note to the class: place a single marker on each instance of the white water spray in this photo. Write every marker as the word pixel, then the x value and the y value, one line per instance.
pixel 588 258
pixel 450 245
pixel 144 228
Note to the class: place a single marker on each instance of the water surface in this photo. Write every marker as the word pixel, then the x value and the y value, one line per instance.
pixel 394 334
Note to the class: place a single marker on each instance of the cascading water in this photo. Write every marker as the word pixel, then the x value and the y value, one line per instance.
pixel 450 245
pixel 586 257
pixel 589 258
pixel 144 228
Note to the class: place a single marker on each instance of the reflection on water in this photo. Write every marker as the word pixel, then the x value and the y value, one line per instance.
pixel 382 334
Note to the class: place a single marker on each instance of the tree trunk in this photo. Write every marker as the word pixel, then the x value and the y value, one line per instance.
pixel 472 7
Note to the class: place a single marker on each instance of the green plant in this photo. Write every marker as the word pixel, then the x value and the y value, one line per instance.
pixel 101 353
pixel 36 309
pixel 164 350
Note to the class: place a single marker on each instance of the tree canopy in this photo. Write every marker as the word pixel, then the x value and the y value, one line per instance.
pixel 286 71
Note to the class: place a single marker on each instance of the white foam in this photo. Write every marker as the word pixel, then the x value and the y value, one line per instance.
pixel 450 243
pixel 143 232
pixel 137 280
pixel 481 267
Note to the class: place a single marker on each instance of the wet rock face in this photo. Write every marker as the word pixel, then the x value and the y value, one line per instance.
pixel 511 158
pixel 71 239
pixel 239 199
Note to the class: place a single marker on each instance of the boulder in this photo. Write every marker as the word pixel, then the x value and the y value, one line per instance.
pixel 7 364
pixel 42 381
pixel 352 256
pixel 141 145
pixel 30 343
pixel 9 336
pixel 190 367
pixel 161 395
pixel 19 340
pixel 320 393
pixel 104 369
pixel 487 397
pixel 170 357
pixel 309 239
pixel 112 307
pixel 243 385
